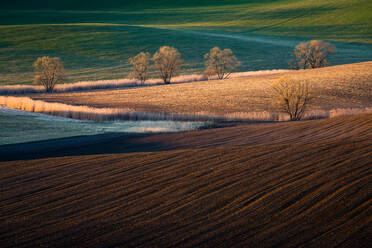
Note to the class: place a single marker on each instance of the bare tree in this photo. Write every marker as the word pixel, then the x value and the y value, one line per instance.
pixel 311 54
pixel 167 61
pixel 140 65
pixel 292 97
pixel 220 62
pixel 48 72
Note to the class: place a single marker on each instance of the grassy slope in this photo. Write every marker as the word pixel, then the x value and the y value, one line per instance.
pixel 345 19
pixel 117 4
pixel 92 51
pixel 312 192
pixel 342 86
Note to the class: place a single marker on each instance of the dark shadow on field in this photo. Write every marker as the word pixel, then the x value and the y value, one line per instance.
pixel 81 145
pixel 108 143
pixel 348 129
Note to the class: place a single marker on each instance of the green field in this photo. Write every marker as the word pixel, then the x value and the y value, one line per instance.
pixel 348 20
pixel 95 43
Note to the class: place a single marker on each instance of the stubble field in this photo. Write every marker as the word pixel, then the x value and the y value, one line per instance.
pixel 345 86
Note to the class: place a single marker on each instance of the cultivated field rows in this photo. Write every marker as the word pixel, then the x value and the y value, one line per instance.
pixel 244 191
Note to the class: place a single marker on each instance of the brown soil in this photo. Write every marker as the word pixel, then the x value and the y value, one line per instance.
pixel 260 185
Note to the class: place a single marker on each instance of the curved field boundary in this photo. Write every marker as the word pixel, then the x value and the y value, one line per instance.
pixel 120 83
pixel 102 114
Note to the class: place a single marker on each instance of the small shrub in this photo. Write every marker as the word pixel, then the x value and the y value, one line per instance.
pixel 292 97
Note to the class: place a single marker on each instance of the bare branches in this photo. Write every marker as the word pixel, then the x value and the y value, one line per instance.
pixel 292 97
pixel 48 72
pixel 140 65
pixel 220 62
pixel 311 54
pixel 167 61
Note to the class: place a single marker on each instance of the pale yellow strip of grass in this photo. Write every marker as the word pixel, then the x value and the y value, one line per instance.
pixel 119 83
pixel 103 114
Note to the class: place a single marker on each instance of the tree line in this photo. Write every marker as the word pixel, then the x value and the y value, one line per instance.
pixel 167 62
pixel 292 96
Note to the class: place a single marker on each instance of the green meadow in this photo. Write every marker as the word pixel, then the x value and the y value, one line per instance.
pixel 95 43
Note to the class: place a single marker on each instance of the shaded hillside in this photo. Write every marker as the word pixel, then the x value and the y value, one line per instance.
pixel 117 4
pixel 343 128
pixel 347 128
pixel 288 195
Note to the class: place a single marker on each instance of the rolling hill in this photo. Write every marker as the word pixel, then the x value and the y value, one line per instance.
pixel 118 4
pixel 232 184
pixel 333 87
pixel 95 42
pixel 345 19
pixel 264 185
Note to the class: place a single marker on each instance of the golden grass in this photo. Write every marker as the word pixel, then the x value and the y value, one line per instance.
pixel 89 113
pixel 82 112
pixel 118 83
pixel 345 86
pixel 101 114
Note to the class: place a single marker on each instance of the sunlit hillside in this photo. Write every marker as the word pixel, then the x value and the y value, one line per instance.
pixel 345 86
